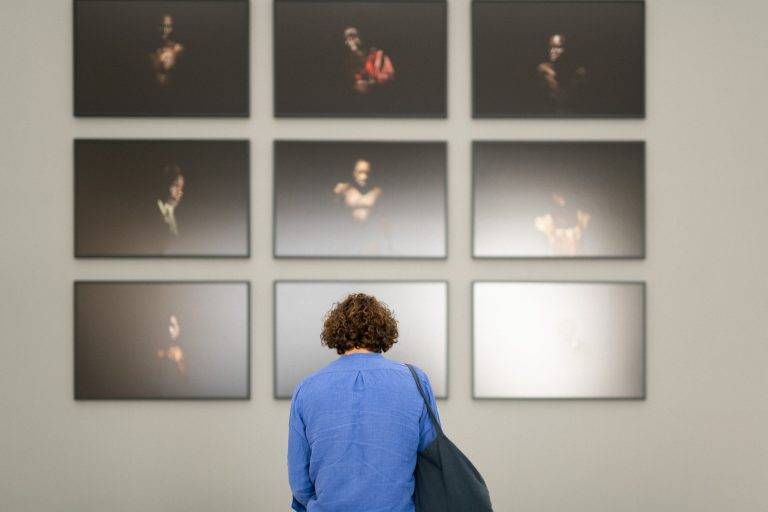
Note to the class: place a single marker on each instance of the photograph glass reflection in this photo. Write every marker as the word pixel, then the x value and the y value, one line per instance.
pixel 558 59
pixel 161 58
pixel 559 199
pixel 161 340
pixel 342 58
pixel 559 340
pixel 300 308
pixel 360 199
pixel 161 198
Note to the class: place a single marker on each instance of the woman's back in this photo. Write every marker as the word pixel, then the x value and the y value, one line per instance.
pixel 355 429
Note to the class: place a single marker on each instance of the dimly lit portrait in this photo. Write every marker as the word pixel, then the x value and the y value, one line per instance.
pixel 343 58
pixel 360 199
pixel 161 198
pixel 161 340
pixel 558 59
pixel 161 57
pixel 559 199
pixel 301 306
pixel 559 340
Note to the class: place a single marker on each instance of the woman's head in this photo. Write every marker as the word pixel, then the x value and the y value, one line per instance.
pixel 359 321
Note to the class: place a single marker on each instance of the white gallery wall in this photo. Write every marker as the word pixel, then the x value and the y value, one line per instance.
pixel 696 443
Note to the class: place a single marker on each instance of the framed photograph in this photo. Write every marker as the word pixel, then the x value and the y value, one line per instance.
pixel 558 58
pixel 559 340
pixel 360 199
pixel 421 309
pixel 162 198
pixel 559 199
pixel 360 58
pixel 162 339
pixel 161 57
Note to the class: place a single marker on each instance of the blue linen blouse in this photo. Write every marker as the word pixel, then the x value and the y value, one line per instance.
pixel 354 432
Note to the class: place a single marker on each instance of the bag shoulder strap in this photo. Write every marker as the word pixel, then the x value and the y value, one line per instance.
pixel 432 416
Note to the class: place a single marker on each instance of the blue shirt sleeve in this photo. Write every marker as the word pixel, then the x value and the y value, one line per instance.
pixel 298 457
pixel 427 432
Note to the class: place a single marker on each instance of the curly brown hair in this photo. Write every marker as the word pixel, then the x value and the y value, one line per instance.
pixel 359 321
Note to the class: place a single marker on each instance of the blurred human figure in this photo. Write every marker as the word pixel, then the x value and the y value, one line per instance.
pixel 165 57
pixel 561 85
pixel 174 352
pixel 172 199
pixel 568 330
pixel 564 227
pixel 368 67
pixel 359 196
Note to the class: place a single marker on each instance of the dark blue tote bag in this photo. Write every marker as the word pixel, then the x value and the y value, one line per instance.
pixel 446 481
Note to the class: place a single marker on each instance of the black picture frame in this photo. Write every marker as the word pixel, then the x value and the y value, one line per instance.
pixel 639 255
pixel 243 112
pixel 279 112
pixel 643 396
pixel 246 395
pixel 478 113
pixel 277 254
pixel 277 282
pixel 83 254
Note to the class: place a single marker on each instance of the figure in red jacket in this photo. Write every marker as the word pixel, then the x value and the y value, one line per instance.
pixel 369 67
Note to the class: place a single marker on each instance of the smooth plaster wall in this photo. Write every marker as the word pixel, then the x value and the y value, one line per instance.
pixel 698 441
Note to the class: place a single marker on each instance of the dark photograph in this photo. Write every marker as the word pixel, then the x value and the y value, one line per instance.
pixel 300 308
pixel 558 59
pixel 161 58
pixel 360 199
pixel 559 340
pixel 559 199
pixel 357 59
pixel 162 340
pixel 162 198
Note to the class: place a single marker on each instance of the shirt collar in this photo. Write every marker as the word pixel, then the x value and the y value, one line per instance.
pixel 358 358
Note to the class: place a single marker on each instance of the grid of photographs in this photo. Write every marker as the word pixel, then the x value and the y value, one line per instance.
pixel 359 199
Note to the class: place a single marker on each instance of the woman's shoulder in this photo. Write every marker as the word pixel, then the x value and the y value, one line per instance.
pixel 423 377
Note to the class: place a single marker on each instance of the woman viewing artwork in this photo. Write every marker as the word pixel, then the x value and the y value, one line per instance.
pixel 357 424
